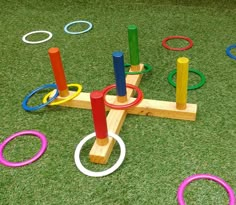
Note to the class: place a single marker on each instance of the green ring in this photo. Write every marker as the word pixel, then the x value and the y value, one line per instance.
pixel 193 87
pixel 147 68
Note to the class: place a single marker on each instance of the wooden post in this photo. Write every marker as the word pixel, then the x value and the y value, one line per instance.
pixel 99 117
pixel 119 68
pixel 182 83
pixel 58 71
pixel 133 47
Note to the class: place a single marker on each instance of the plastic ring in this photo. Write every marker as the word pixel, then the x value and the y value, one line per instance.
pixel 164 43
pixel 26 162
pixel 122 107
pixel 25 101
pixel 147 68
pixel 79 32
pixel 216 179
pixel 192 87
pixel 37 42
pixel 66 99
pixel 229 53
pixel 102 173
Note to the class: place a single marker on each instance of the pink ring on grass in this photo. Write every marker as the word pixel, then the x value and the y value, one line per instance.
pixel 26 162
pixel 187 181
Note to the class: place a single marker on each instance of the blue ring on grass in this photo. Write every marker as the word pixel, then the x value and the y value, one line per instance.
pixel 26 99
pixel 228 51
pixel 78 32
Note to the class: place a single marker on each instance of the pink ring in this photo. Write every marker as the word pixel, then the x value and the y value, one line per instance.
pixel 122 107
pixel 26 162
pixel 187 181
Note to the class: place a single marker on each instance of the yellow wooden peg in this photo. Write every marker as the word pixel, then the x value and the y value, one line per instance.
pixel 182 83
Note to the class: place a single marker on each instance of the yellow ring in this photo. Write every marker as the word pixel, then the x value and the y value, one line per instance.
pixel 70 97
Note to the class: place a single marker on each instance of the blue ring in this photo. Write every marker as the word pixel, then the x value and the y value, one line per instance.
pixel 79 32
pixel 25 101
pixel 228 51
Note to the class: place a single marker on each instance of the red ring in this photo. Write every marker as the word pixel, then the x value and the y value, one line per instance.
pixel 122 107
pixel 177 37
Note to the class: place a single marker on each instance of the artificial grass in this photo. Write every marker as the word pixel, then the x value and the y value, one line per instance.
pixel 160 152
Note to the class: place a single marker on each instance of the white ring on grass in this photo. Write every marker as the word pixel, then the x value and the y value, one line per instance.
pixel 102 173
pixel 37 42
pixel 90 25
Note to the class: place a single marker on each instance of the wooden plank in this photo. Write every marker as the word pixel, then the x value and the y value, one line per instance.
pixel 147 107
pixel 164 109
pixel 115 119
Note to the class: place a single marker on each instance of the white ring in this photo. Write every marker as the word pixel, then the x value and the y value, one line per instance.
pixel 36 42
pixel 102 173
pixel 78 32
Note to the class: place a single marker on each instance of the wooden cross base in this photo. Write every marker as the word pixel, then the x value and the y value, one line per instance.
pixel 115 118
pixel 148 107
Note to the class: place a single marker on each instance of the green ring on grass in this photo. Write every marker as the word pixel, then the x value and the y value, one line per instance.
pixel 192 87
pixel 147 68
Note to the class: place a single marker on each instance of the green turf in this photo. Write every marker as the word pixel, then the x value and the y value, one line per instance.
pixel 160 152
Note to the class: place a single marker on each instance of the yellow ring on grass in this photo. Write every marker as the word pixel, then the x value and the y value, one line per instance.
pixel 70 97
